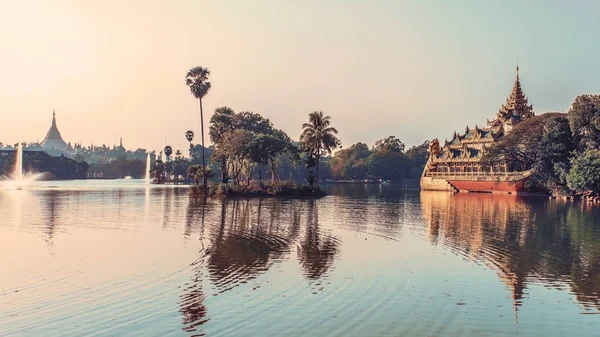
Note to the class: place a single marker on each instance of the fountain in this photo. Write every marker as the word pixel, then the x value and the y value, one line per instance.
pixel 148 168
pixel 18 179
pixel 18 169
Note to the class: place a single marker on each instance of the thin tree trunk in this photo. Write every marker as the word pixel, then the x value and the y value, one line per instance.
pixel 224 177
pixel 273 178
pixel 317 173
pixel 202 138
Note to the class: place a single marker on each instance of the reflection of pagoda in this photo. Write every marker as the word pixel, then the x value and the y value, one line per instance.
pixel 53 142
pixel 457 164
pixel 522 241
pixel 493 229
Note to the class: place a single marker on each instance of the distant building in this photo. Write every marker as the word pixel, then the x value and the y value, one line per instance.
pixel 456 166
pixel 53 143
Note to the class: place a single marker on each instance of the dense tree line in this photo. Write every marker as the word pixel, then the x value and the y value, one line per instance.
pixel 386 160
pixel 561 150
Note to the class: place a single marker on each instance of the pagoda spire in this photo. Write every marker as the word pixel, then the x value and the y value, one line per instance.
pixel 516 105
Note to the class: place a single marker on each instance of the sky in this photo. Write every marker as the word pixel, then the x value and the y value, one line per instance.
pixel 416 70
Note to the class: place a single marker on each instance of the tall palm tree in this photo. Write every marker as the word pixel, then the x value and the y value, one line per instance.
pixel 318 137
pixel 197 79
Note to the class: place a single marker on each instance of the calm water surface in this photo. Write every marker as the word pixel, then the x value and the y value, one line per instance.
pixel 123 259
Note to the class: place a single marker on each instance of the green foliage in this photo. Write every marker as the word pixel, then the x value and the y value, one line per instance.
pixel 553 164
pixel 584 117
pixel 318 138
pixel 520 147
pixel 388 165
pixel 391 144
pixel 418 156
pixel 584 176
pixel 196 173
pixel 245 141
pixel 385 161
pixel 120 168
pixel 197 80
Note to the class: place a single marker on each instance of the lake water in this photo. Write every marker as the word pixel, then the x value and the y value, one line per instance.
pixel 118 258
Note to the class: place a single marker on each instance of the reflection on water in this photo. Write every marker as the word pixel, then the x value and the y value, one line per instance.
pixel 317 250
pixel 92 259
pixel 553 243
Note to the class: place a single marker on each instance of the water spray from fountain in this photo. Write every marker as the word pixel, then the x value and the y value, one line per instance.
pixel 148 168
pixel 18 169
pixel 18 179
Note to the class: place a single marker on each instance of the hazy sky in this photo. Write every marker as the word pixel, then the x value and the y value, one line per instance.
pixel 413 69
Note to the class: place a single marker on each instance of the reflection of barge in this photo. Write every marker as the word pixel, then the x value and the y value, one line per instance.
pixel 456 166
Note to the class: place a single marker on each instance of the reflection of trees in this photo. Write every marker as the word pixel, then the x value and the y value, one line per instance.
pixel 194 217
pixel 192 305
pixel 317 251
pixel 244 246
pixel 246 239
pixel 524 240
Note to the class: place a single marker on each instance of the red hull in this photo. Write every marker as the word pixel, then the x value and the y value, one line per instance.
pixel 488 186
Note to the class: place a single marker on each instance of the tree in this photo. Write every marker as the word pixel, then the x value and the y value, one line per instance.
pixel 168 151
pixel 189 135
pixel 556 148
pixel 318 137
pixel 351 163
pixel 388 165
pixel 390 143
pixel 584 177
pixel 418 156
pixel 584 118
pixel 265 149
pixel 541 144
pixel 521 147
pixel 220 124
pixel 197 80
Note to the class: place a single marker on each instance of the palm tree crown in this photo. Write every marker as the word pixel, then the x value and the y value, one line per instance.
pixel 189 135
pixel 197 79
pixel 318 136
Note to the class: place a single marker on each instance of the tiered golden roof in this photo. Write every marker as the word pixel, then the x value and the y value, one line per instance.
pixel 470 146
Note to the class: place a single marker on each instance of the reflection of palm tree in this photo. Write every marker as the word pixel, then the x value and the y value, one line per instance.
pixel 239 251
pixel 191 303
pixel 318 250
